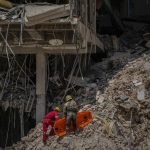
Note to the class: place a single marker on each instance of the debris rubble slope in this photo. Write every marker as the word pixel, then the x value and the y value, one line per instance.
pixel 121 115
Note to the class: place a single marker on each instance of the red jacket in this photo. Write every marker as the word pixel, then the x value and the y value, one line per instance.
pixel 49 120
pixel 51 117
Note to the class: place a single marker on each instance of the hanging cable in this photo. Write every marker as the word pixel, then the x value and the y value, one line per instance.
pixel 20 71
pixel 6 45
pixel 71 74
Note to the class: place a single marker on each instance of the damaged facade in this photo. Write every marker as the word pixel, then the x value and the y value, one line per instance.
pixel 49 49
pixel 42 35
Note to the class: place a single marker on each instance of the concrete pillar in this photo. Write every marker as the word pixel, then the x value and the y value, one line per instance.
pixel 41 79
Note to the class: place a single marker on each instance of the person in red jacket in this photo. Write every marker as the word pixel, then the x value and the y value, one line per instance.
pixel 49 120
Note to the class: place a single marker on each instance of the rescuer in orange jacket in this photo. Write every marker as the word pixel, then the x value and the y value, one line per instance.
pixel 49 120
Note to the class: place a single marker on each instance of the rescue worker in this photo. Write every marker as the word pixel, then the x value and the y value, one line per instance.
pixel 49 120
pixel 70 112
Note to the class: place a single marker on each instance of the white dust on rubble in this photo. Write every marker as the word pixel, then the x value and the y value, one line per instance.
pixel 87 139
pixel 121 116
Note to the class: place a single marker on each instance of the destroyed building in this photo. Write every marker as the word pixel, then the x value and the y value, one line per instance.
pixel 97 50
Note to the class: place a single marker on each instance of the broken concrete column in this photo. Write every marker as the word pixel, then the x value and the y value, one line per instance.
pixel 40 86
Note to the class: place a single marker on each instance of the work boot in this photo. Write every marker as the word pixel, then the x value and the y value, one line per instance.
pixel 76 132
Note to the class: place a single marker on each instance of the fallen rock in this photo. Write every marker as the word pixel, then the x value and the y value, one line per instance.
pixel 141 94
pixel 148 44
pixel 147 66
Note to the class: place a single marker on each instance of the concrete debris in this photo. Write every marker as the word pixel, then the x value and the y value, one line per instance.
pixel 137 83
pixel 147 66
pixel 36 14
pixel 124 97
pixel 99 97
pixel 80 81
pixel 141 93
pixel 121 114
pixel 148 44
pixel 34 141
pixel 12 14
pixel 33 14
pixel 116 91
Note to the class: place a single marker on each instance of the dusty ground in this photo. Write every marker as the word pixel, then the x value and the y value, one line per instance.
pixel 121 115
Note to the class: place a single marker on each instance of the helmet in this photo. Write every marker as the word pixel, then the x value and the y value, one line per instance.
pixel 68 98
pixel 57 109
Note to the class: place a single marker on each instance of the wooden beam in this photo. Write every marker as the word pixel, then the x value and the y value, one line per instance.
pixel 34 49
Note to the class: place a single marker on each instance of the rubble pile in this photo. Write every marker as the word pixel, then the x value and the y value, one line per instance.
pixel 83 141
pixel 125 103
pixel 121 114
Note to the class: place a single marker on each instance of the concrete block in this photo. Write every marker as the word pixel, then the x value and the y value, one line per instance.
pixel 147 66
pixel 137 83
pixel 141 94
